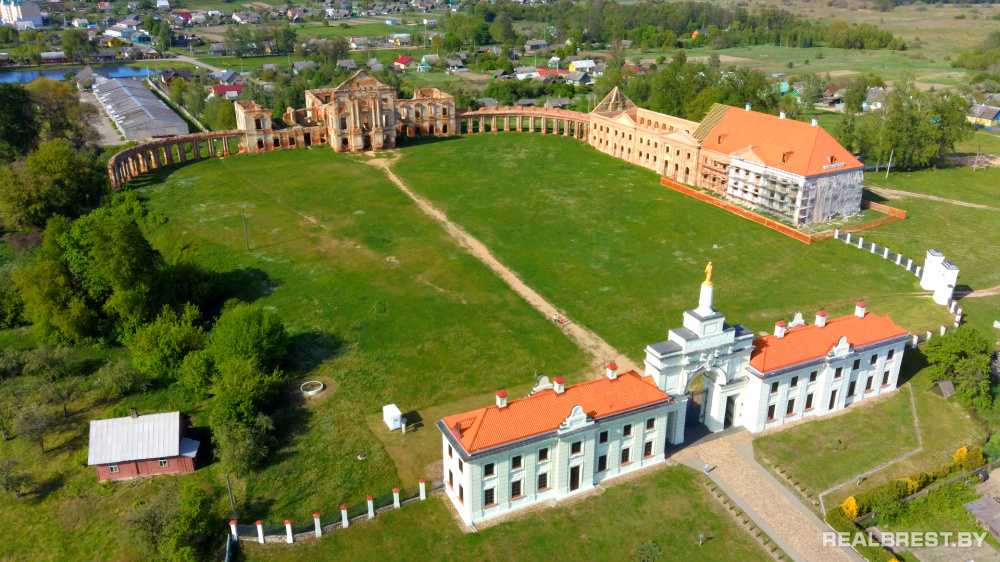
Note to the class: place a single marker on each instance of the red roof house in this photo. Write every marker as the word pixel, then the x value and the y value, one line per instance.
pixel 228 92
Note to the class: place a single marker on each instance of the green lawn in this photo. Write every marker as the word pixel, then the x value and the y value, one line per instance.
pixel 826 452
pixel 624 256
pixel 669 506
pixel 959 182
pixel 335 29
pixel 872 436
pixel 939 511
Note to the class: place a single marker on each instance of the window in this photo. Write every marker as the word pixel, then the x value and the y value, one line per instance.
pixel 651 423
pixel 163 463
pixel 460 465
pixel 489 469
pixel 774 388
pixel 838 372
pixel 625 455
pixel 809 402
pixel 795 382
pixel 770 412
pixel 851 387
pixel 603 437
pixel 627 430
pixel 874 359
pixel 833 400
pixel 451 479
pixel 515 463
pixel 543 481
pixel 812 376
pixel 857 364
pixel 602 463
pixel 515 489
pixel 885 378
pixel 489 497
pixel 449 451
pixel 647 449
pixel 889 356
pixel 461 494
pixel 868 383
pixel 790 408
pixel 576 448
pixel 543 454
pixel 113 468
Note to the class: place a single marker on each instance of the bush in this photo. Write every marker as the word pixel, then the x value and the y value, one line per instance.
pixel 840 523
pixel 992 447
pixel 120 379
pixel 850 507
pixel 974 459
pixel 890 491
pixel 159 346
pixel 960 454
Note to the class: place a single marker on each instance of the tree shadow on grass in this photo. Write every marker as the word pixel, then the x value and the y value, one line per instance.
pixel 46 487
pixel 309 350
pixel 428 139
pixel 914 361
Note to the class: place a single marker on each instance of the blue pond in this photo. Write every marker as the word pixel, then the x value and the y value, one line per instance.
pixel 26 76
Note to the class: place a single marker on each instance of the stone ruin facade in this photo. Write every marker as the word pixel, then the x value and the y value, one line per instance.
pixel 360 114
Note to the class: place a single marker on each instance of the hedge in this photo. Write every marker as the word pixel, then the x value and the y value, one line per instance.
pixel 840 523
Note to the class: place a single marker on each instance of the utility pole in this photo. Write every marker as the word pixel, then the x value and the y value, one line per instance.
pixel 246 237
pixel 889 166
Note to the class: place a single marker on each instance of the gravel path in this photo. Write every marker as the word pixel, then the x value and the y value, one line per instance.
pixel 584 338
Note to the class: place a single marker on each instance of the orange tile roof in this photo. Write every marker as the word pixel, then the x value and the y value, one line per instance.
pixel 807 149
pixel 809 342
pixel 544 411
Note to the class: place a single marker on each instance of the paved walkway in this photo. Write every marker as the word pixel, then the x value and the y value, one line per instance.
pixel 196 62
pixel 584 338
pixel 897 194
pixel 775 509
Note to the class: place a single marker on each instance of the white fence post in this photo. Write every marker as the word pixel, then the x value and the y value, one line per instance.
pixel 232 527
pixel 899 259
pixel 929 334
pixel 916 340
pixel 319 527
pixel 958 320
pixel 873 247
pixel 344 522
pixel 423 491
pixel 371 507
pixel 954 305
pixel 918 271
pixel 943 329
pixel 260 532
pixel 836 234
pixel 885 253
pixel 395 498
pixel 959 311
pixel 848 239
pixel 288 531
pixel 909 264
pixel 861 241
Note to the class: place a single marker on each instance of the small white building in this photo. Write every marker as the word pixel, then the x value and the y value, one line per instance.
pixel 939 276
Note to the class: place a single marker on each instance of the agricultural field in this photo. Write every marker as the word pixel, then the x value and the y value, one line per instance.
pixel 337 29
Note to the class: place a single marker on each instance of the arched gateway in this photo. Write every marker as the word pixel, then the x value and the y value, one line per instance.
pixel 705 346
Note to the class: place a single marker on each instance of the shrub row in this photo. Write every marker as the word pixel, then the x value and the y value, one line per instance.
pixel 840 523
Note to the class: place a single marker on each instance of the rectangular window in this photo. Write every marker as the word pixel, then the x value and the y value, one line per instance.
pixel 833 400
pixel 838 372
pixel 113 468
pixel 451 479
pixel 461 494
pixel 543 454
pixel 625 455
pixel 647 449
pixel 489 469
pixel 650 423
pixel 850 388
pixel 885 378
pixel 812 376
pixel 449 451
pixel 868 383
pixel 889 356
pixel 790 408
pixel 489 497
pixel 809 402
pixel 515 463
pixel 774 388
pixel 627 430
pixel 795 382
pixel 163 463
pixel 874 359
pixel 460 465
pixel 515 489
pixel 857 364
pixel 770 412
pixel 603 437
pixel 543 481
pixel 576 448
pixel 602 463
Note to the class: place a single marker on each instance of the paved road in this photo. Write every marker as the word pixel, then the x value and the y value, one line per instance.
pixel 109 135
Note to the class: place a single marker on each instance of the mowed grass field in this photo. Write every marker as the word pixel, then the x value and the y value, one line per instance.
pixel 624 255
pixel 669 506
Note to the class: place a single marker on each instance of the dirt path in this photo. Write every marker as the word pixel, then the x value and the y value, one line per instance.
pixel 896 194
pixel 109 135
pixel 584 338
pixel 991 292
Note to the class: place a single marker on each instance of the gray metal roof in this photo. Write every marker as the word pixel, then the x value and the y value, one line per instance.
pixel 138 112
pixel 150 436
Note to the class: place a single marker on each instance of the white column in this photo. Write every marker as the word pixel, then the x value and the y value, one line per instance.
pixel 873 247
pixel 899 259
pixel 954 304
pixel 861 241
pixel 885 253
pixel 344 522
pixel 371 507
pixel 288 531
pixel 958 320
pixel 959 311
pixel 395 498
pixel 836 234
pixel 232 528
pixel 909 263
pixel 929 334
pixel 319 527
pixel 943 329
pixel 423 492
pixel 918 271
pixel 916 340
pixel 848 239
pixel 260 532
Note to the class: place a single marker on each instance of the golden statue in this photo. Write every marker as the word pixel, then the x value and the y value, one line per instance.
pixel 708 275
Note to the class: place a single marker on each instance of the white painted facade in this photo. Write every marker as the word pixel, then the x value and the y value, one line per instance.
pixel 15 11
pixel 939 276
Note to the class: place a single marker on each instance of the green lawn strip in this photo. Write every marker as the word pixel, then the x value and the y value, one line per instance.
pixel 379 298
pixel 623 255
pixel 826 452
pixel 351 30
pixel 939 511
pixel 981 187
pixel 669 506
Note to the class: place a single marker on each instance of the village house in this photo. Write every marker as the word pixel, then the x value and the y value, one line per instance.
pixel 984 116
pixel 405 63
pixel 169 75
pixel 375 65
pixel 146 445
pixel 400 39
pixel 358 43
pixel 873 99
pixel 534 45
pixel 456 65
pixel 558 103
pixel 585 65
pixel 226 92
pixel 347 64
pixel 303 65
pixel 561 440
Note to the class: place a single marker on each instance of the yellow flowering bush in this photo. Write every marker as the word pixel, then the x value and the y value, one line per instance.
pixel 960 454
pixel 850 507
